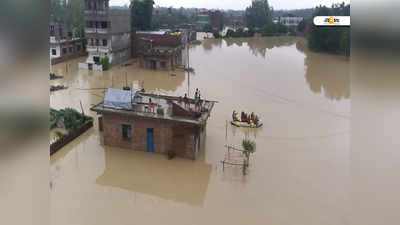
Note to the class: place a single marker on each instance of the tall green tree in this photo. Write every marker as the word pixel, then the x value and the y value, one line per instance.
pixel 258 14
pixel 141 14
pixel 70 13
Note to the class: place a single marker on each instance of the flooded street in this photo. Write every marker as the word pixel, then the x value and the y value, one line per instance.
pixel 299 174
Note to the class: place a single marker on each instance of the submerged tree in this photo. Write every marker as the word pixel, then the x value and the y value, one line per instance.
pixel 258 14
pixel 249 147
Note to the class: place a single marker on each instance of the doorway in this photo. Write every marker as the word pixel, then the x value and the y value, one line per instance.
pixel 153 64
pixel 150 139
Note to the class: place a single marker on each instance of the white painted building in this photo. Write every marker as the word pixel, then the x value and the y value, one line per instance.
pixel 290 20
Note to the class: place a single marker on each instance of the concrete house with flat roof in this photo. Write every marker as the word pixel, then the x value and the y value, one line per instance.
pixel 153 123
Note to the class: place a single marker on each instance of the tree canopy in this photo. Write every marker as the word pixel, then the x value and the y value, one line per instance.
pixel 258 14
pixel 70 13
pixel 141 14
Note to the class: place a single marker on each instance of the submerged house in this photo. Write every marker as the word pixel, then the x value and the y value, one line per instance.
pixel 158 50
pixel 63 44
pixel 153 123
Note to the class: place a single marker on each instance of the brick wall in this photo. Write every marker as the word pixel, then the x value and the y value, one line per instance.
pixel 168 135
pixel 158 40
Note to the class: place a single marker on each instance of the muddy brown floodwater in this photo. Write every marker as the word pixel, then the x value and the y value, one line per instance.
pixel 299 174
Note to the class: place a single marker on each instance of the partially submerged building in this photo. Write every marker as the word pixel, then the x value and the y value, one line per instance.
pixel 108 33
pixel 63 44
pixel 158 50
pixel 153 123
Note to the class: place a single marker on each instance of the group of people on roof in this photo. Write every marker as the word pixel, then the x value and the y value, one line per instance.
pixel 251 118
pixel 197 101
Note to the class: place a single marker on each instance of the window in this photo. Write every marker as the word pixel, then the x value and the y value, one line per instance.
pixel 71 49
pixel 78 48
pixel 97 42
pixel 104 24
pixel 64 50
pixel 53 52
pixel 126 132
pixel 104 42
pixel 163 64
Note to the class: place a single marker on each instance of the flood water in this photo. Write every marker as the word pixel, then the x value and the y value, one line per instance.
pixel 298 175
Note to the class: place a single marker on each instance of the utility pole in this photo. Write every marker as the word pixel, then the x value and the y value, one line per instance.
pixel 188 66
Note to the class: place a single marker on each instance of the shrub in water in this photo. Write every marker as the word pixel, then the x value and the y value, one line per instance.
pixel 171 154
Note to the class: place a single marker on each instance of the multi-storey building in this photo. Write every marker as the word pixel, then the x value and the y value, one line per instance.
pixel 108 33
pixel 63 45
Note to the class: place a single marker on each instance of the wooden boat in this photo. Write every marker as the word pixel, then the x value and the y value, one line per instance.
pixel 245 124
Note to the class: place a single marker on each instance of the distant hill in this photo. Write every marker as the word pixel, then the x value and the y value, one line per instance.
pixel 306 13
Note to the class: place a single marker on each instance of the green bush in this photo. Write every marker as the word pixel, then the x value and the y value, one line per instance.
pixel 72 118
pixel 171 154
pixel 58 134
pixel 249 147
pixel 216 34
pixel 105 62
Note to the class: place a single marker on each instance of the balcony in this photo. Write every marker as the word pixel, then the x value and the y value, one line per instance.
pixel 90 30
pixel 97 30
pixel 102 49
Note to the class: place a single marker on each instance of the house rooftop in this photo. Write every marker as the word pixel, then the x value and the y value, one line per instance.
pixel 172 108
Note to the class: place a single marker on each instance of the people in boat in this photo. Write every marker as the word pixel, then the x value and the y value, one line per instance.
pixel 252 117
pixel 242 117
pixel 256 119
pixel 234 116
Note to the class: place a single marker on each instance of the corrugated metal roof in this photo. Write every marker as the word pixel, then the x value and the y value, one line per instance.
pixel 118 99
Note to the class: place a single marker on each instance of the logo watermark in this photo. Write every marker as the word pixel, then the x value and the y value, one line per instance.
pixel 332 21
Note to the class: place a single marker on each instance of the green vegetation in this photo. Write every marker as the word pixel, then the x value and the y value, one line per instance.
pixel 305 13
pixel 170 17
pixel 331 39
pixel 207 28
pixel 141 14
pixel 258 14
pixel 58 134
pixel 70 13
pixel 216 34
pixel 105 62
pixel 249 148
pixel 70 118
pixel 240 33
pixel 271 29
pixel 171 154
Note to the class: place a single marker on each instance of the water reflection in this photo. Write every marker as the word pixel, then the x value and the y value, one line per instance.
pixel 209 44
pixel 178 180
pixel 259 46
pixel 326 73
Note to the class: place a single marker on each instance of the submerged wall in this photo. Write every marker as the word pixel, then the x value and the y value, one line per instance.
pixel 168 135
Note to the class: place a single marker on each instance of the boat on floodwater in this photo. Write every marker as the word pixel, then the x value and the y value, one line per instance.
pixel 245 124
